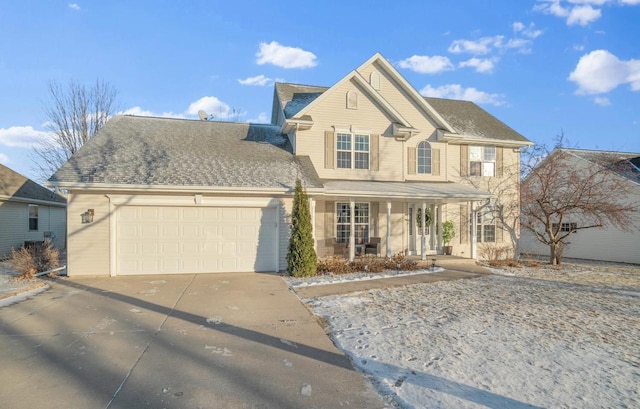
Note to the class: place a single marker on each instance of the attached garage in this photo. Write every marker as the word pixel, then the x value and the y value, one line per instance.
pixel 176 239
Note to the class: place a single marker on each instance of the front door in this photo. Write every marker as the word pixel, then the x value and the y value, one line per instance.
pixel 415 229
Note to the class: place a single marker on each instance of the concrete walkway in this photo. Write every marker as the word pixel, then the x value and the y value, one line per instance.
pixel 452 271
pixel 188 341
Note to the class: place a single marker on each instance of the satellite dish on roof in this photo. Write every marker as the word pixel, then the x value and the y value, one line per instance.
pixel 203 115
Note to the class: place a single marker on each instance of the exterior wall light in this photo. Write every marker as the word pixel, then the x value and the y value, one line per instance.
pixel 87 217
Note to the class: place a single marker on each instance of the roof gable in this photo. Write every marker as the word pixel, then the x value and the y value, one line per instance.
pixel 355 76
pixel 15 186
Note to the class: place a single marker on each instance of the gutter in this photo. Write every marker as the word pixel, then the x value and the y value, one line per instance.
pixel 241 190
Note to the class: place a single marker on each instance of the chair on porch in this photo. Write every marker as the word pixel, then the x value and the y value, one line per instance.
pixel 373 247
pixel 340 249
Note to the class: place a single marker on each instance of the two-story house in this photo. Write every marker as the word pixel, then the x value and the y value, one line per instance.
pixel 156 195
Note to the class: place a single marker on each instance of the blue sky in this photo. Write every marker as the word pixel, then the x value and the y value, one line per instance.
pixel 541 66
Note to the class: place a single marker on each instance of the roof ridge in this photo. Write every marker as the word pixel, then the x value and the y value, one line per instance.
pixel 301 85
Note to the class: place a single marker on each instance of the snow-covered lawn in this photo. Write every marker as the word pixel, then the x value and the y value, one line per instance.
pixel 521 338
pixel 348 278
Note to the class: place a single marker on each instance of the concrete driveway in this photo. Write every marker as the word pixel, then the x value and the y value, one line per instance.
pixel 189 341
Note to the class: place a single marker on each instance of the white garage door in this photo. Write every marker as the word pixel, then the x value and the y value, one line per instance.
pixel 170 240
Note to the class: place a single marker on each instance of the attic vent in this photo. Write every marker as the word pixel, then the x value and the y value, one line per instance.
pixel 374 80
pixel 352 100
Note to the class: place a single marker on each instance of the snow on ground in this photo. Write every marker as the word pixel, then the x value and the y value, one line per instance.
pixel 347 278
pixel 10 286
pixel 526 338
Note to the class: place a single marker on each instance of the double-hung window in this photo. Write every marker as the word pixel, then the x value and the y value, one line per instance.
pixel 33 217
pixel 482 160
pixel 361 222
pixel 486 225
pixel 352 150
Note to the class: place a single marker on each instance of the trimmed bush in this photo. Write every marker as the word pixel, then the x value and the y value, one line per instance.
pixel 301 256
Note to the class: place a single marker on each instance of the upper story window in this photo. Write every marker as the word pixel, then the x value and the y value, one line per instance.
pixel 482 160
pixel 423 154
pixel 352 150
pixel 33 217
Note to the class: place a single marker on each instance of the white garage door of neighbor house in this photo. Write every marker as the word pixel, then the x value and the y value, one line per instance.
pixel 171 240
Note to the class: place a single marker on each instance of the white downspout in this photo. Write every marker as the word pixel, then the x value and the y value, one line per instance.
pixel 388 228
pixel 113 259
pixel 352 230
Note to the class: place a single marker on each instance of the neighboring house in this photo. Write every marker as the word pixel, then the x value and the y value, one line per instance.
pixel 28 212
pixel 183 196
pixel 605 244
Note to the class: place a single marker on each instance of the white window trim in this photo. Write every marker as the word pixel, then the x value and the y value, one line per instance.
pixel 348 223
pixel 352 131
pixel 418 158
pixel 483 161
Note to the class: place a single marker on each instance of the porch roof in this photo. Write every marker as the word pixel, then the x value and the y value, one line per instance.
pixel 441 192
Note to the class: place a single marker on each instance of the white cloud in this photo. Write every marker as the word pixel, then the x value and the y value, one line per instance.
pixel 602 101
pixel 583 15
pixel 456 91
pixel 579 12
pixel 261 119
pixel 4 159
pixel 285 57
pixel 74 6
pixel 481 65
pixel 600 72
pixel 527 31
pixel 424 64
pixel 578 47
pixel 22 136
pixel 210 105
pixel 478 47
pixel 258 80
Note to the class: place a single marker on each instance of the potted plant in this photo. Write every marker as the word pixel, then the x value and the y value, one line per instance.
pixel 448 233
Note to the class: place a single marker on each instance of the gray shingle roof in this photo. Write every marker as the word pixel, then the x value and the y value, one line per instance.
pixel 178 152
pixel 14 185
pixel 446 191
pixel 469 119
pixel 303 95
pixel 626 164
pixel 465 117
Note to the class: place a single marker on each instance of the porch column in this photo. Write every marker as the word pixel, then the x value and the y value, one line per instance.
pixel 352 230
pixel 312 210
pixel 423 237
pixel 388 228
pixel 439 224
pixel 474 228
pixel 433 227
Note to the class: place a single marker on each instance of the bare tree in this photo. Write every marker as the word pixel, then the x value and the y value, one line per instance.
pixel 563 192
pixel 75 113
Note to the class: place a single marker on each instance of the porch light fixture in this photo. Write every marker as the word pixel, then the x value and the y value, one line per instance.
pixel 87 217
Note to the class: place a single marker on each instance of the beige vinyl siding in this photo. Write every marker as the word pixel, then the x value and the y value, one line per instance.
pixel 370 116
pixel 392 92
pixel 88 244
